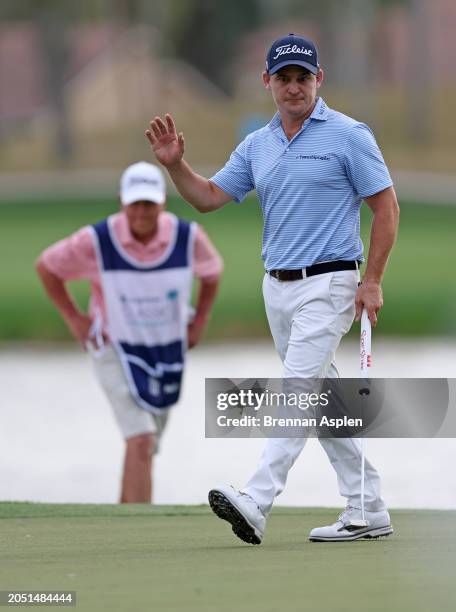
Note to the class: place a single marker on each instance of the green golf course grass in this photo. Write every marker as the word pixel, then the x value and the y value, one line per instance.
pixel 183 558
pixel 419 287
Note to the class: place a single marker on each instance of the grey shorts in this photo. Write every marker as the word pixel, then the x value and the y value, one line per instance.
pixel 132 419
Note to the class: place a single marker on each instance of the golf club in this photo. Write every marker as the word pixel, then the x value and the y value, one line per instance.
pixel 364 390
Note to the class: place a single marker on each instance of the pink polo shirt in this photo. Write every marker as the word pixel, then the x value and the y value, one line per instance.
pixel 74 257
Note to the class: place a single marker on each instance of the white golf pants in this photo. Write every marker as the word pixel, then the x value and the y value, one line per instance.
pixel 308 318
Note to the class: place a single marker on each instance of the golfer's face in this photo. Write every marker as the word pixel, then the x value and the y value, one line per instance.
pixel 142 217
pixel 294 89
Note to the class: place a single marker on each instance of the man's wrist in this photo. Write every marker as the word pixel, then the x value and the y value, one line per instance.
pixel 177 167
pixel 368 280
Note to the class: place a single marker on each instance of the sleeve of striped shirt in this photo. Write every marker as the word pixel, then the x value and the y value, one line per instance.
pixel 235 178
pixel 366 168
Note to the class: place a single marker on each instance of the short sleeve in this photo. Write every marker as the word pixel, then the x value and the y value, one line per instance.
pixel 235 178
pixel 366 168
pixel 73 257
pixel 207 262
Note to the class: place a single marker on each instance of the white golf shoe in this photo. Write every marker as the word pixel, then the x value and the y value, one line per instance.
pixel 350 526
pixel 241 511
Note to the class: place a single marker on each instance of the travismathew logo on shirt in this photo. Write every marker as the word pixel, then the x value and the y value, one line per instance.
pixel 322 157
pixel 285 49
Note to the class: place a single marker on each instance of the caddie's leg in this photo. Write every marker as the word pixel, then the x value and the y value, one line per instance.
pixel 137 473
pixel 137 427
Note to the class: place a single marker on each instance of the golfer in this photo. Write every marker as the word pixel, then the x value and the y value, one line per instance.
pixel 311 167
pixel 140 263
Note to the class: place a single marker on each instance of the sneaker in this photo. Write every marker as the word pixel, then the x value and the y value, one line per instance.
pixel 350 526
pixel 239 509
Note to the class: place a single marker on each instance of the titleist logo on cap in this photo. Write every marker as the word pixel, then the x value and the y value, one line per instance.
pixel 289 50
pixel 284 49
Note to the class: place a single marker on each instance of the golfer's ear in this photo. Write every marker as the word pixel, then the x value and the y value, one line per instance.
pixel 320 76
pixel 266 79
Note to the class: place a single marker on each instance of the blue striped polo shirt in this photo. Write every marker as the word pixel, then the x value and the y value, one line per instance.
pixel 310 188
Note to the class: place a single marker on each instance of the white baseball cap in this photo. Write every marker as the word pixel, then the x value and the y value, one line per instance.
pixel 142 181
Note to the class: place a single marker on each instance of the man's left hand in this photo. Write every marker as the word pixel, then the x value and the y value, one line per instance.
pixel 369 296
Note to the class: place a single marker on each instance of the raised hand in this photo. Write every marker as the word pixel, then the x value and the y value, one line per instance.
pixel 167 145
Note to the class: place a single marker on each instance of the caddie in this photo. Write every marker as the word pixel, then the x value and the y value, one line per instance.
pixel 140 262
pixel 312 167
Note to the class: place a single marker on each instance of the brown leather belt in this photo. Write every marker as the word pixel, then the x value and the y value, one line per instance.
pixel 321 268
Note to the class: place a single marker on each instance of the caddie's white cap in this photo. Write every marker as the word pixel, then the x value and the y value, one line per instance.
pixel 142 181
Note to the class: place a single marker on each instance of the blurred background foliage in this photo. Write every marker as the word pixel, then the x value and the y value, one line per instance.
pixel 419 287
pixel 79 82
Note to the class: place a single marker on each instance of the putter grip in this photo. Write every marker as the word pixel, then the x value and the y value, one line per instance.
pixel 365 353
